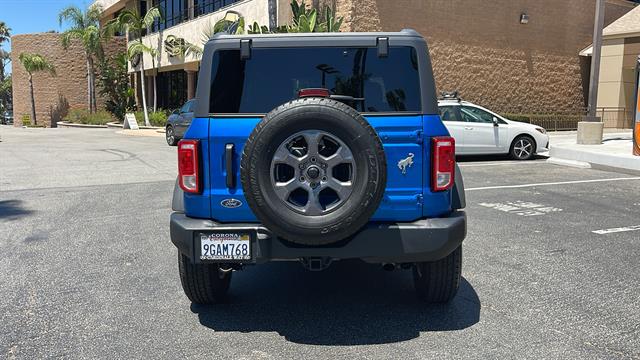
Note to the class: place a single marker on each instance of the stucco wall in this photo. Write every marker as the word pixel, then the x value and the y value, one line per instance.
pixel 480 48
pixel 53 95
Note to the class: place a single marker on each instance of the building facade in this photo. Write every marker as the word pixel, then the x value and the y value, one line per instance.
pixel 176 77
pixel 513 56
pixel 54 95
pixel 620 50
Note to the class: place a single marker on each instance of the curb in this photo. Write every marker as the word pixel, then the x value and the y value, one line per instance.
pixel 570 163
pixel 578 158
pixel 72 125
pixel 121 126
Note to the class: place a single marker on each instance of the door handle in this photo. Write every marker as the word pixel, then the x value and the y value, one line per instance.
pixel 228 163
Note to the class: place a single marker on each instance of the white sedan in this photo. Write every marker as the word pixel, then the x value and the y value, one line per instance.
pixel 479 131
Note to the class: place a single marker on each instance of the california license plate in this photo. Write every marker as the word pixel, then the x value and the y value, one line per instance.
pixel 225 246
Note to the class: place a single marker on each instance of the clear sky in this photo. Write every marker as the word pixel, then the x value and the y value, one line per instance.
pixel 31 16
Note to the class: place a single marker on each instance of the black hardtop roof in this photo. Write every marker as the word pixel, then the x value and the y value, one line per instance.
pixel 381 40
pixel 404 33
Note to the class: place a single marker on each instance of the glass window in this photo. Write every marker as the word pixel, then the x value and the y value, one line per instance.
pixel 473 114
pixel 274 76
pixel 173 13
pixel 202 7
pixel 186 107
pixel 449 113
pixel 172 89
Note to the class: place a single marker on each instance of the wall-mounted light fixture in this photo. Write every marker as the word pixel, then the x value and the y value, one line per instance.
pixel 524 18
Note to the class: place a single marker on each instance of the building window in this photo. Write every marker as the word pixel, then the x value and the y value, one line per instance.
pixel 173 12
pixel 172 89
pixel 203 7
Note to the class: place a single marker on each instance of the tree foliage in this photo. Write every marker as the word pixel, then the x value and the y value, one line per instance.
pixel 304 19
pixel 115 87
pixel 34 63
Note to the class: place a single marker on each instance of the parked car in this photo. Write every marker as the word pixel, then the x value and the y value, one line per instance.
pixel 479 131
pixel 340 154
pixel 178 122
pixel 6 118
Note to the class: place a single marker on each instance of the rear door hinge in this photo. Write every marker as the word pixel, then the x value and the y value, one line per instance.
pixel 419 137
pixel 420 199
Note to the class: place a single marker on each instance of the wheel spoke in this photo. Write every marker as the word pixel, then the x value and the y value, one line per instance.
pixel 313 206
pixel 283 156
pixel 343 189
pixel 312 138
pixel 342 156
pixel 284 189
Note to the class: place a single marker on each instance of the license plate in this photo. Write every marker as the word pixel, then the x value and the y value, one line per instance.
pixel 225 246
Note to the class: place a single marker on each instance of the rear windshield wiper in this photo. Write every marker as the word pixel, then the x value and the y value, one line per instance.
pixel 345 98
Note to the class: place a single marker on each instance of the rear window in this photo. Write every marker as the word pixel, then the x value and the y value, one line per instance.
pixel 274 76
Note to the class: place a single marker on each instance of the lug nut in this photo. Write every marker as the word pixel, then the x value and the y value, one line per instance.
pixel 301 178
pixel 313 159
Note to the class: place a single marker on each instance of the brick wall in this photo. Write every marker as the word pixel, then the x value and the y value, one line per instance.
pixel 480 48
pixel 53 95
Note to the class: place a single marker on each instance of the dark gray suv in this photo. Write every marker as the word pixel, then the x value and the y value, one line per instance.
pixel 178 122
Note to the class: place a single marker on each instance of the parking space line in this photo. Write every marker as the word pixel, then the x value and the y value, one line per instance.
pixel 498 163
pixel 617 230
pixel 551 183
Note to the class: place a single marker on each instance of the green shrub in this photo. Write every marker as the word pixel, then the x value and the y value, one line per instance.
pixel 82 116
pixel 156 118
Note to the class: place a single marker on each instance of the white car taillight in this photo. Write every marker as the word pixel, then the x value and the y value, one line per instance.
pixel 189 166
pixel 443 163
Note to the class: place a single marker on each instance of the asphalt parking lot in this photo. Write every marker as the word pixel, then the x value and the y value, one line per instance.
pixel 87 269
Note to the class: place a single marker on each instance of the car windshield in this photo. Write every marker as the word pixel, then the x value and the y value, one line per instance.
pixel 272 77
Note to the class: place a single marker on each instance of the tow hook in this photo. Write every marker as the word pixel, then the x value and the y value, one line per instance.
pixel 225 268
pixel 315 263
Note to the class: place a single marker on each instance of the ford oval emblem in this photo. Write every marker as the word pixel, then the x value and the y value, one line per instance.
pixel 231 203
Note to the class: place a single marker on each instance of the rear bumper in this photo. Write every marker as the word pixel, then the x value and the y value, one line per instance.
pixel 422 240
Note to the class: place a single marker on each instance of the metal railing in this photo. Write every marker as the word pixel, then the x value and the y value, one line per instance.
pixel 612 117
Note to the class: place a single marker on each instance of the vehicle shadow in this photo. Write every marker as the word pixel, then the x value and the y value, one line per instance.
pixel 13 209
pixel 351 303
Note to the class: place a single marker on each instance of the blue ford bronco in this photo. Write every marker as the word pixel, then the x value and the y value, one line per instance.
pixel 317 148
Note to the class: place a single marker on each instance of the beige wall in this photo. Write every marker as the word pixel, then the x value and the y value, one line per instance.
pixel 480 48
pixel 617 80
pixel 53 95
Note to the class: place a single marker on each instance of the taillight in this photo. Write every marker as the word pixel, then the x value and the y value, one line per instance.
pixel 188 166
pixel 443 163
pixel 313 92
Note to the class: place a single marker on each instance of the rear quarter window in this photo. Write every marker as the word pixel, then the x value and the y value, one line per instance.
pixel 273 76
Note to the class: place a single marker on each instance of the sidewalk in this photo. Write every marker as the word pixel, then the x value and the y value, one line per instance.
pixel 614 152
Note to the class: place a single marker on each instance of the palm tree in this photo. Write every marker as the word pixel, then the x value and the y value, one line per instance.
pixel 85 27
pixel 5 36
pixel 34 63
pixel 132 22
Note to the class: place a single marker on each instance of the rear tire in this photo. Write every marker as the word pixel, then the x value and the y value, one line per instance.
pixel 203 283
pixel 438 281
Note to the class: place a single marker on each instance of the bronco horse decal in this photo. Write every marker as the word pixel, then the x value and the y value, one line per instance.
pixel 405 163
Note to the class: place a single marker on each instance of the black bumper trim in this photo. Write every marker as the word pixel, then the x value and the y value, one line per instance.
pixel 422 240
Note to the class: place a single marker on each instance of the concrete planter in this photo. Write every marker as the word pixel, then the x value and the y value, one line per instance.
pixel 72 125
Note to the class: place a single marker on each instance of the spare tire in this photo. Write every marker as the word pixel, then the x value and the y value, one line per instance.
pixel 313 171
